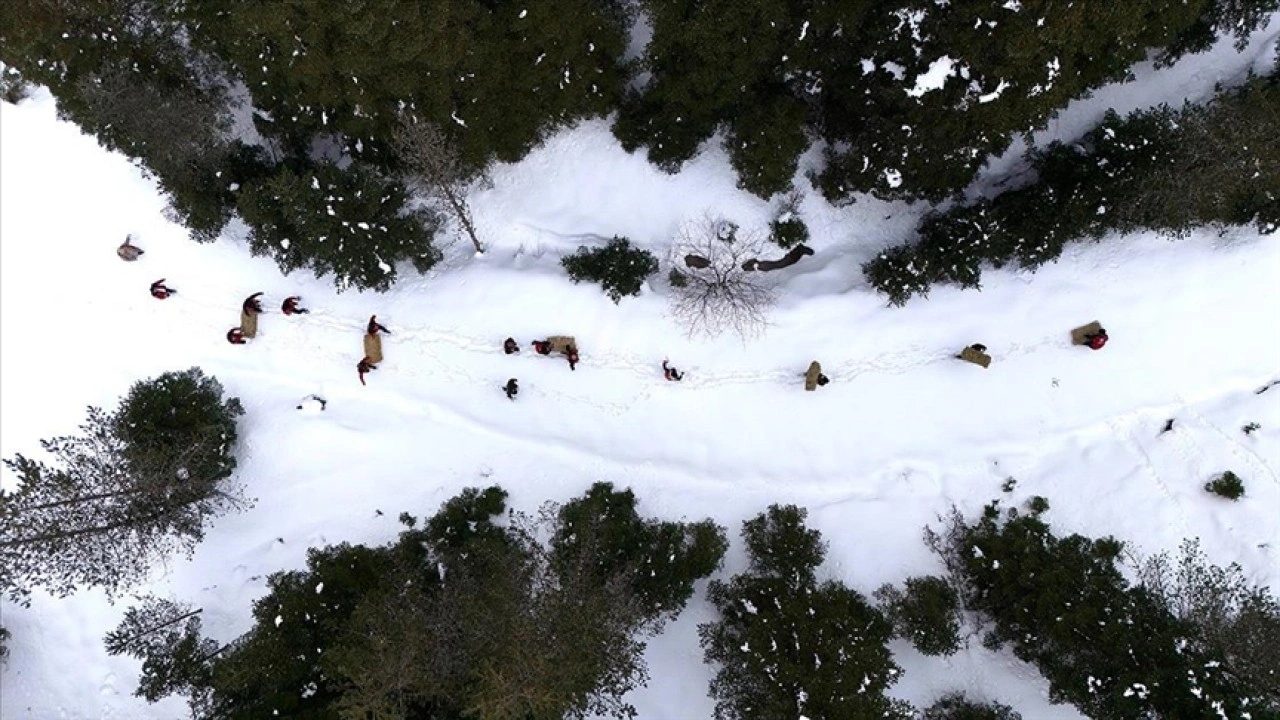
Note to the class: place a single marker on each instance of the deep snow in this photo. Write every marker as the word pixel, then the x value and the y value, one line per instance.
pixel 902 432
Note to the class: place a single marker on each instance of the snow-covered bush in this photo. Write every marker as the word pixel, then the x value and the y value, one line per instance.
pixel 619 268
pixel 926 613
pixel 1227 485
pixel 787 229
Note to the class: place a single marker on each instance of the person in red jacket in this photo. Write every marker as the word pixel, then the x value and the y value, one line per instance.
pixel 251 305
pixel 363 367
pixel 671 373
pixel 160 291
pixel 572 354
pixel 290 306
pixel 542 347
pixel 375 326
pixel 1095 341
pixel 235 336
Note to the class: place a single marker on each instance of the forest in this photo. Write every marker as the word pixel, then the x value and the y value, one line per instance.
pixel 346 138
pixel 316 123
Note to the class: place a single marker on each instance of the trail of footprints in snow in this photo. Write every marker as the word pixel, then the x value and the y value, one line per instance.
pixel 894 363
pixel 1126 435
pixel 1238 448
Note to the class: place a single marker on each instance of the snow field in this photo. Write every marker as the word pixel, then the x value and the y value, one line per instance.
pixel 901 433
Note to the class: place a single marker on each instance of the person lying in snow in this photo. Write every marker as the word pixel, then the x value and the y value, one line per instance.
pixel 313 403
pixel 510 347
pixel 235 336
pixel 375 326
pixel 671 373
pixel 542 347
pixel 290 306
pixel 251 305
pixel 1096 340
pixel 160 291
pixel 511 388
pixel 363 367
pixel 128 251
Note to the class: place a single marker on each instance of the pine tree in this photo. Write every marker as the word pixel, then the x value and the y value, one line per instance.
pixel 135 485
pixel 661 559
pixel 1112 650
pixel 1165 169
pixel 346 222
pixel 122 70
pixel 463 617
pixel 926 613
pixel 619 268
pixel 956 706
pixel 786 645
pixel 165 635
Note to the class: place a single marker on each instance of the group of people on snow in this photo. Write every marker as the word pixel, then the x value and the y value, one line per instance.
pixel 1092 335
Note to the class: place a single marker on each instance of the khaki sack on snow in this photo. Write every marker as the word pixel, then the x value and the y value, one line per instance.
pixel 562 343
pixel 977 357
pixel 811 376
pixel 248 324
pixel 1077 335
pixel 373 347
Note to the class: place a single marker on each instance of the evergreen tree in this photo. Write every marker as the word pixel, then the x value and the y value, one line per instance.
pixel 1159 169
pixel 462 617
pixel 910 97
pixel 165 635
pixel 349 223
pixel 122 71
pixel 619 268
pixel 135 485
pixel 927 613
pixel 1112 650
pixel 1234 619
pixel 498 75
pixel 786 645
pixel 661 559
pixel 957 707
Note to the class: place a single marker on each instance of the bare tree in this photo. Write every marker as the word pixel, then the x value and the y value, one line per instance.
pixel 424 146
pixel 711 288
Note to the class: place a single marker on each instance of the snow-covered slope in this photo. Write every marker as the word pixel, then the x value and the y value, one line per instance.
pixel 903 431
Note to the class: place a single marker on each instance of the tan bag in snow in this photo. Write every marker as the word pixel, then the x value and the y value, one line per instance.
pixel 248 324
pixel 1077 335
pixel 977 357
pixel 811 376
pixel 561 343
pixel 373 347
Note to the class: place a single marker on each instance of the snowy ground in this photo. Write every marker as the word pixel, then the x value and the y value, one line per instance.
pixel 903 432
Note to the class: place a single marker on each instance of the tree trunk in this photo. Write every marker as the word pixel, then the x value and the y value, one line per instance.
pixel 460 212
pixel 162 625
pixel 83 531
